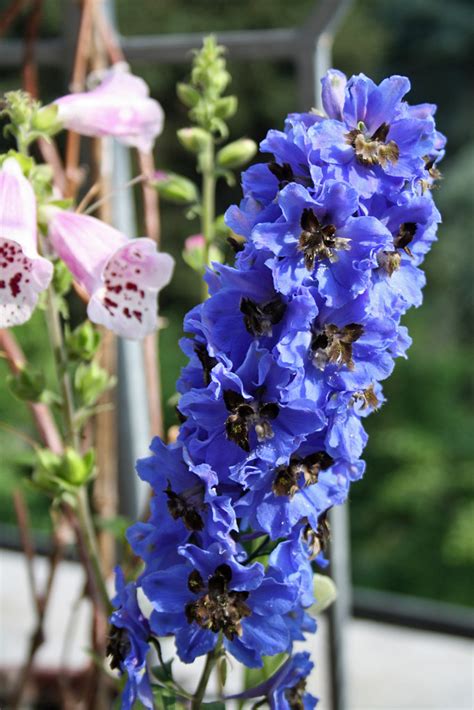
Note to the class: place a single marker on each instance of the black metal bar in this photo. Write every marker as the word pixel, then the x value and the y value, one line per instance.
pixel 413 612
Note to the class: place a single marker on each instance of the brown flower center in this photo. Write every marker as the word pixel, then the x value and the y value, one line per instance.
pixel 244 415
pixel 187 505
pixel 300 473
pixel 334 345
pixel 391 260
pixel 259 318
pixel 295 695
pixel 318 540
pixel 118 646
pixel 218 609
pixel 318 242
pixel 373 150
pixel 206 361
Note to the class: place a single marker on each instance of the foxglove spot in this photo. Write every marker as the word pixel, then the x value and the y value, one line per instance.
pixel 220 608
pixel 244 415
pixel 318 242
pixel 207 362
pixel 118 647
pixel 300 473
pixel 21 280
pixel 372 150
pixel 187 505
pixel 334 345
pixel 259 318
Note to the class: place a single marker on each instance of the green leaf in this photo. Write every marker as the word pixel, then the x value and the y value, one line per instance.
pixel 28 385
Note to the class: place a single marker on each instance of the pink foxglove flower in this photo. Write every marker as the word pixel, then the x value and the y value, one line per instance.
pixel 120 107
pixel 23 272
pixel 122 276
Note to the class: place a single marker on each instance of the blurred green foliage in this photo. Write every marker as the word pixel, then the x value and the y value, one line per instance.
pixel 412 515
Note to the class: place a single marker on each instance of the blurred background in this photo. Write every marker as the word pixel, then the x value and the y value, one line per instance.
pixel 412 516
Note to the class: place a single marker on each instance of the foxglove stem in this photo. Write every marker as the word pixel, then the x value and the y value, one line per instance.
pixel 72 438
pixel 208 206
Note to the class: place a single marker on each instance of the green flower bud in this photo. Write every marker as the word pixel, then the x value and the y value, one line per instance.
pixel 194 139
pixel 175 188
pixel 236 154
pixel 28 385
pixel 226 107
pixel 62 278
pixel 45 120
pixel 90 381
pixel 76 469
pixel 83 342
pixel 46 472
pixel 325 592
pixel 188 94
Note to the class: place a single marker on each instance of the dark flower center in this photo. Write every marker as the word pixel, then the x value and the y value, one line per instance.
pixel 390 260
pixel 220 608
pixel 244 415
pixel 318 540
pixel 236 244
pixel 318 242
pixel 118 646
pixel 367 397
pixel 300 473
pixel 259 318
pixel 295 695
pixel 283 173
pixel 373 150
pixel 186 505
pixel 206 361
pixel 334 345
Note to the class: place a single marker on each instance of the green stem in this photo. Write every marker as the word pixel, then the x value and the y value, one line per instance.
pixel 87 527
pixel 208 213
pixel 72 439
pixel 206 674
pixel 60 361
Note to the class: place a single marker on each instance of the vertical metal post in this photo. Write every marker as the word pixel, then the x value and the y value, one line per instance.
pixel 132 405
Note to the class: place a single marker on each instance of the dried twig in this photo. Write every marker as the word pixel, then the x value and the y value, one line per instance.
pixel 79 73
pixel 40 600
pixel 30 69
pixel 10 14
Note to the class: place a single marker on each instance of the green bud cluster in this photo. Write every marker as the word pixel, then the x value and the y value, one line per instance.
pixel 90 382
pixel 203 95
pixel 28 384
pixel 83 342
pixel 28 119
pixel 58 474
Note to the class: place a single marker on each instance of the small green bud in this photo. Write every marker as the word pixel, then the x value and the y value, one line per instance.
pixel 46 472
pixel 28 385
pixel 90 381
pixel 188 94
pixel 226 107
pixel 62 278
pixel 45 120
pixel 325 592
pixel 175 188
pixel 236 154
pixel 194 139
pixel 83 342
pixel 76 469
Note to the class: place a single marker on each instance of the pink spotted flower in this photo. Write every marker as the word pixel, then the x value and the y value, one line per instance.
pixel 120 106
pixel 122 276
pixel 23 272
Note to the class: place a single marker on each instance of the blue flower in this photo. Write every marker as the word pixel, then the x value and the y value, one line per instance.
pixel 286 689
pixel 210 594
pixel 128 644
